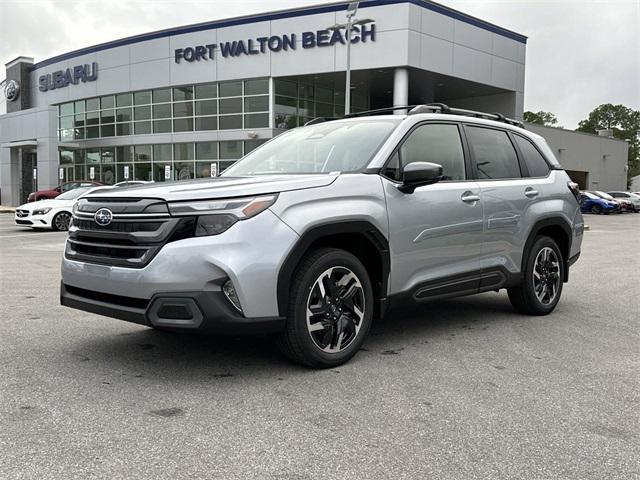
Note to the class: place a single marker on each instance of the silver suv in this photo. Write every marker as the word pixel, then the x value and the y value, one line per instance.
pixel 325 227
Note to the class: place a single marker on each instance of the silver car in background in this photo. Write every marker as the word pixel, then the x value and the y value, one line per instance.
pixel 328 226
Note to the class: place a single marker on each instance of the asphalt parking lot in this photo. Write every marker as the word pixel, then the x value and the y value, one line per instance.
pixel 461 389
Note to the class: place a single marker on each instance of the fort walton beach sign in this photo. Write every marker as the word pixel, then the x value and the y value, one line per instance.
pixel 275 43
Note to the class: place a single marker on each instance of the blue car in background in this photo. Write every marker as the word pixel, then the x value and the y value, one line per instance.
pixel 592 203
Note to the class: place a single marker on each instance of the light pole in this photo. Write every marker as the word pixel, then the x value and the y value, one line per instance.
pixel 352 9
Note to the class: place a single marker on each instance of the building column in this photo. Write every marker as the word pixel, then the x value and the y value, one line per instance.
pixel 400 89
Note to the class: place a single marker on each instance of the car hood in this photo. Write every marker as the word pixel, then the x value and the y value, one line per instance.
pixel 220 187
pixel 51 203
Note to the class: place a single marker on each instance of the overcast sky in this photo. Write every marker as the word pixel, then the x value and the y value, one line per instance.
pixel 580 53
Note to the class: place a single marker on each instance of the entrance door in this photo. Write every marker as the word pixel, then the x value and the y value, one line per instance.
pixel 28 162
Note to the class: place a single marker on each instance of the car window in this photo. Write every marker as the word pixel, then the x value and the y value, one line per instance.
pixel 493 152
pixel 536 164
pixel 69 186
pixel 435 143
pixel 340 146
pixel 71 194
pixel 604 195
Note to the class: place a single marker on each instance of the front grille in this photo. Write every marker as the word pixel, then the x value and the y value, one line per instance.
pixel 123 227
pixel 22 213
pixel 137 232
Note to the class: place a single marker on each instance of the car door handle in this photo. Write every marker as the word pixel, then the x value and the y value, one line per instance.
pixel 531 193
pixel 470 197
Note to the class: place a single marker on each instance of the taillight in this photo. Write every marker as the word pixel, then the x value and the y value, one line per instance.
pixel 575 190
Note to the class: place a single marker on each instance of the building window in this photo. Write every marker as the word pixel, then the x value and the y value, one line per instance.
pixel 233 105
pixel 149 162
pixel 298 102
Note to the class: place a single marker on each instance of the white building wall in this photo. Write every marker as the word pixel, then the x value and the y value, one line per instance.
pixel 406 35
pixel 605 159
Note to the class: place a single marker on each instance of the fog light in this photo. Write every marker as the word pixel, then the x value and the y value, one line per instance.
pixel 230 292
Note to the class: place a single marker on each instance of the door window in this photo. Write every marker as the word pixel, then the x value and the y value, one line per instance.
pixel 493 153
pixel 536 164
pixel 435 143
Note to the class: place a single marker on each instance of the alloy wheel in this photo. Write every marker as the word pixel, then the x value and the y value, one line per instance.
pixel 546 276
pixel 62 221
pixel 335 309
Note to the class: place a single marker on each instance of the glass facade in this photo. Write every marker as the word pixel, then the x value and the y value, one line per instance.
pixel 183 161
pixel 229 105
pixel 238 104
pixel 297 102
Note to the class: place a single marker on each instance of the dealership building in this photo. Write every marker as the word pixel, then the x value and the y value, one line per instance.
pixel 188 101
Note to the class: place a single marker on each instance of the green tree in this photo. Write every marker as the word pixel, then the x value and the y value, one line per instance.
pixel 624 122
pixel 541 118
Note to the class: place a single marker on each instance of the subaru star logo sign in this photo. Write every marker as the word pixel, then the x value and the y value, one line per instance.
pixel 103 217
pixel 12 90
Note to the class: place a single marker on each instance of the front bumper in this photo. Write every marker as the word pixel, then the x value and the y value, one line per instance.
pixel 249 254
pixel 201 312
pixel 35 221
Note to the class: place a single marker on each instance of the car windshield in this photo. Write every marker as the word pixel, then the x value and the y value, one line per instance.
pixel 589 195
pixel 604 195
pixel 341 146
pixel 71 194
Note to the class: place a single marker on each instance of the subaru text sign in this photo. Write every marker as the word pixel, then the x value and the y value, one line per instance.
pixel 275 43
pixel 74 75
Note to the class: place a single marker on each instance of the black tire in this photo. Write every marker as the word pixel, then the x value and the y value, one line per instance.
pixel 298 342
pixel 523 297
pixel 61 222
pixel 596 209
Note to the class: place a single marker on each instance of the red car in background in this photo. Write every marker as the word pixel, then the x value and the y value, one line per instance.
pixel 65 187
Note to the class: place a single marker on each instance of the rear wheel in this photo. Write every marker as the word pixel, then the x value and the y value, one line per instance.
pixel 541 286
pixel 596 209
pixel 330 309
pixel 61 221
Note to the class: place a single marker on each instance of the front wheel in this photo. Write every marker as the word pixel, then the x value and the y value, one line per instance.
pixel 330 309
pixel 541 287
pixel 61 221
pixel 596 209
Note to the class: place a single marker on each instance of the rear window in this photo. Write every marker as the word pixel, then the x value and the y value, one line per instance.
pixel 493 153
pixel 535 162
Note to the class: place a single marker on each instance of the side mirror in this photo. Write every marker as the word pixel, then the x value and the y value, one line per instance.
pixel 418 174
pixel 58 189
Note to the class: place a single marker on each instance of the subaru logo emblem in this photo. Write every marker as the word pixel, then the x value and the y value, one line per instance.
pixel 103 217
pixel 12 90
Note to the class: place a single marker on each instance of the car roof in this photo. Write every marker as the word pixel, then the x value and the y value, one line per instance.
pixel 442 117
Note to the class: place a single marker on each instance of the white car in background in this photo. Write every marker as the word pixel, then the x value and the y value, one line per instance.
pixel 52 214
pixel 630 197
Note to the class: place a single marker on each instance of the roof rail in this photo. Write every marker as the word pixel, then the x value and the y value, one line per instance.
pixel 313 121
pixel 379 110
pixel 428 108
pixel 442 108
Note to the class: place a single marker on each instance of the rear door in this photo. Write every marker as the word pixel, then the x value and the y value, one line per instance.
pixel 436 231
pixel 509 196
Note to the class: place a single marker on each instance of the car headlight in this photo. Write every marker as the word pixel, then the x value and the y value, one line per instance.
pixel 217 216
pixel 41 211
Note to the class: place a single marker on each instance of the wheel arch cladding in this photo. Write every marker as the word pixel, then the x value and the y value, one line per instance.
pixel 557 229
pixel 360 238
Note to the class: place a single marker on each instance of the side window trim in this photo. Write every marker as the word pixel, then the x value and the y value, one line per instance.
pixel 463 143
pixel 521 155
pixel 513 145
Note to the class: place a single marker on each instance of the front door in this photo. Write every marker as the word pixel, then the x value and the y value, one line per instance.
pixel 436 231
